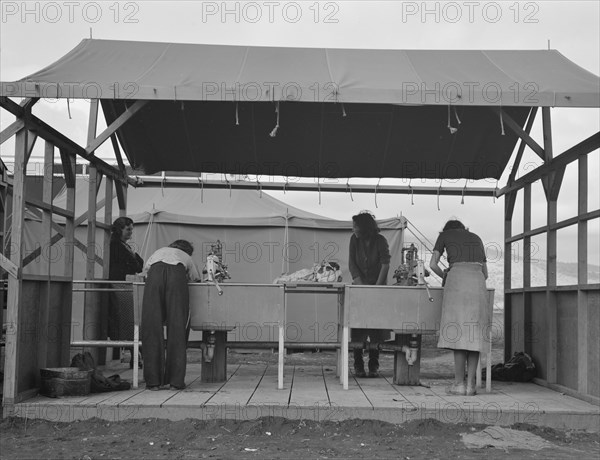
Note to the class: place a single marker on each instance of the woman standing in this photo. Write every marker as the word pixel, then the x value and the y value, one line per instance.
pixel 166 301
pixel 123 261
pixel 369 263
pixel 464 308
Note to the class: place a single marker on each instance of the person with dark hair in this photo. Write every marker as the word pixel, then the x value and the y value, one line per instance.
pixel 465 303
pixel 166 302
pixel 369 263
pixel 123 261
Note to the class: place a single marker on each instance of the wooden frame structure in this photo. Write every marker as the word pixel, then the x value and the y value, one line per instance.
pixel 39 304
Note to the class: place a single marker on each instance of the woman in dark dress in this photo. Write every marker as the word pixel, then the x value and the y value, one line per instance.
pixel 123 261
pixel 465 317
pixel 369 263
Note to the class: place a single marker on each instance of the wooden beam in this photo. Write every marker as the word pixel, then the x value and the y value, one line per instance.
pixel 58 236
pixel 27 104
pixel 8 266
pixel 30 144
pixel 557 226
pixel 516 164
pixel 514 127
pixel 583 324
pixel 11 130
pixel 68 172
pixel 118 156
pixel 15 284
pixel 61 141
pixel 108 196
pixel 528 337
pixel 507 277
pixel 49 207
pixel 551 253
pixel 120 121
pixel 583 148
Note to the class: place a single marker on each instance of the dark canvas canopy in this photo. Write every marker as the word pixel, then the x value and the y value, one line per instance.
pixel 315 112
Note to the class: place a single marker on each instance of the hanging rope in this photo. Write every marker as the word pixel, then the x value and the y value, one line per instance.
pixel 259 187
pixel 343 110
pixel 285 185
pixel 69 108
pixel 237 117
pixel 495 190
pixel 376 187
pixel 412 192
pixel 201 189
pixel 438 195
pixel 501 122
pixel 274 131
pixel 147 234
pixel 450 127
pixel 162 184
pixel 286 259
pixel 462 200
pixel 349 187
pixel 456 115
pixel 319 186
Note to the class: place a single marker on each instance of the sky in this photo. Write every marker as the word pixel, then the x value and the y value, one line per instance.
pixel 35 34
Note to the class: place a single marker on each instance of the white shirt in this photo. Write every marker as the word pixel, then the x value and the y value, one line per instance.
pixel 174 256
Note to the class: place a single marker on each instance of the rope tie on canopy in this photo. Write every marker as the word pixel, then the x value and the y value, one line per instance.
pixel 450 127
pixel 237 117
pixel 343 110
pixel 501 122
pixel 462 199
pixel 259 187
pixel 162 184
pixel 376 187
pixel 228 183
pixel 285 185
pixel 349 188
pixel 274 131
pixel 494 192
pixel 319 187
pixel 69 109
pixel 201 183
pixel 456 115
pixel 412 192
pixel 438 195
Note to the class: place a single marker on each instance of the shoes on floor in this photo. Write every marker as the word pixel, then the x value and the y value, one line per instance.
pixel 360 373
pixel 373 374
pixel 153 387
pixel 173 387
pixel 457 389
pixel 471 390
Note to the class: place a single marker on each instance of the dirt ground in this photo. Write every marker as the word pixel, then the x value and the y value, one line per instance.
pixel 276 437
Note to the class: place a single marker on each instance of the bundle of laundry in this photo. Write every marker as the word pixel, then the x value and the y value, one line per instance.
pixel 325 272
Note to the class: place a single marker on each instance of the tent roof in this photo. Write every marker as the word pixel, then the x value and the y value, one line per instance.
pixel 217 207
pixel 309 112
pixel 193 72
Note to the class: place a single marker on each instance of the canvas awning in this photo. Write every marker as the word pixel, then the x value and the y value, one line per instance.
pixel 314 112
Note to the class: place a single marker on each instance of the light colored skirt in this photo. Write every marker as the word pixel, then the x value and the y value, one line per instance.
pixel 465 322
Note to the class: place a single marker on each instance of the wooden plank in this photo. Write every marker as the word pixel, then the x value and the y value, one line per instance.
pixel 508 212
pixel 9 266
pixel 517 162
pixel 405 374
pixel 514 127
pixel 583 349
pixel 61 141
pixel 11 360
pixel 11 130
pixel 308 387
pixel 551 252
pixel 96 142
pixel 583 148
pixel 239 389
pixel 108 219
pixel 340 398
pixel 267 393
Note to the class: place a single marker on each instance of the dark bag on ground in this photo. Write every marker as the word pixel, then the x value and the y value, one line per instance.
pixel 520 368
pixel 99 383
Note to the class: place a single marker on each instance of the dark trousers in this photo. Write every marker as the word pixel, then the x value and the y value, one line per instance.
pixel 375 336
pixel 166 301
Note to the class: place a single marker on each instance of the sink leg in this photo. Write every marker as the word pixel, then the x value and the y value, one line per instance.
pixel 403 373
pixel 216 369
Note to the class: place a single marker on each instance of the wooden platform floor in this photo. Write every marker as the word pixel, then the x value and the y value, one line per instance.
pixel 314 392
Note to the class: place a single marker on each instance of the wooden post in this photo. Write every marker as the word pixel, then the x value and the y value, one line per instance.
pixel 403 373
pixel 15 283
pixel 583 353
pixel 509 205
pixel 92 311
pixel 216 370
pixel 551 316
pixel 527 326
